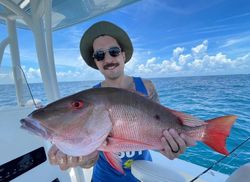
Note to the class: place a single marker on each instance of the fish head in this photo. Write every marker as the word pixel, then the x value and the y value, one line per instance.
pixel 75 124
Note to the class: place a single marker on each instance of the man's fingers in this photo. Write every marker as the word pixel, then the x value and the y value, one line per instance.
pixel 179 141
pixel 188 140
pixel 62 160
pixel 171 141
pixel 72 161
pixel 89 160
pixel 52 155
pixel 167 150
pixel 56 157
pixel 61 157
pixel 93 154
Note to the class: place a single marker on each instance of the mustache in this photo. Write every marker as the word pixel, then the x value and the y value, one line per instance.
pixel 110 65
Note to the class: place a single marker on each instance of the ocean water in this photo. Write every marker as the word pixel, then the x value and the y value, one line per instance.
pixel 205 97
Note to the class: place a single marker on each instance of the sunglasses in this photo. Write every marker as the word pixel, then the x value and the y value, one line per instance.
pixel 99 55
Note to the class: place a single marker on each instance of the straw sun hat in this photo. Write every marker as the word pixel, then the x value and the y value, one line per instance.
pixel 104 28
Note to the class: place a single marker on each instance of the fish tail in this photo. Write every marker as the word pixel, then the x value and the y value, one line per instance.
pixel 217 131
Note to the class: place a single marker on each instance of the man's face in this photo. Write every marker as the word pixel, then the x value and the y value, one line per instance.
pixel 112 67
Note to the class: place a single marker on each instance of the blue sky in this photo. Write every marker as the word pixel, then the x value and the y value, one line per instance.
pixel 170 38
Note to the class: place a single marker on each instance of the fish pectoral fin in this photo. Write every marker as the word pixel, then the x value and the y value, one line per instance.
pixel 124 144
pixel 114 161
pixel 186 119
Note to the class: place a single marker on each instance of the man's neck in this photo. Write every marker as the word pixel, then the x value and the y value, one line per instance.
pixel 124 81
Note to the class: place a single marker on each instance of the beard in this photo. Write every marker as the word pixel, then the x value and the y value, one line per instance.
pixel 113 74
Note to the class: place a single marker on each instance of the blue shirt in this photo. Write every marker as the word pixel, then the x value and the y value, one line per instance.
pixel 104 172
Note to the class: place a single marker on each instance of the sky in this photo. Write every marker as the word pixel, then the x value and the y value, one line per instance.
pixel 171 38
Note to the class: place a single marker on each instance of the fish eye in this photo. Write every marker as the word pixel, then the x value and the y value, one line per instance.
pixel 77 104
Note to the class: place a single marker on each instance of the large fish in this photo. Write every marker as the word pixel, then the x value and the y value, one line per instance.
pixel 114 120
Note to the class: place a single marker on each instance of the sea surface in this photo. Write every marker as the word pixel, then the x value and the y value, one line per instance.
pixel 205 97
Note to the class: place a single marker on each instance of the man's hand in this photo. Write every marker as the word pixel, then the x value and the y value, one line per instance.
pixel 175 144
pixel 56 157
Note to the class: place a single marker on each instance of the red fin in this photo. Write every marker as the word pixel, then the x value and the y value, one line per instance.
pixel 186 119
pixel 217 131
pixel 114 161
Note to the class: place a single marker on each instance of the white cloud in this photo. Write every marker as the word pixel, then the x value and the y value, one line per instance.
pixel 65 73
pixel 132 65
pixel 196 64
pixel 183 62
pixel 231 42
pixel 197 61
pixel 170 66
pixel 155 67
pixel 241 39
pixel 151 61
pixel 177 52
pixel 244 58
pixel 6 78
pixel 219 59
pixel 183 59
pixel 201 49
pixel 32 72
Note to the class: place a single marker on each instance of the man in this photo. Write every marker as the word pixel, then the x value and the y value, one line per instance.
pixel 106 47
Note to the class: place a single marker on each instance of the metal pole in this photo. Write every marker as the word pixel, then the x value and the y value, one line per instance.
pixel 49 41
pixel 14 50
pixel 48 74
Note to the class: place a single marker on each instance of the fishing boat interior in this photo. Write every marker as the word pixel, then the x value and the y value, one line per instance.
pixel 24 157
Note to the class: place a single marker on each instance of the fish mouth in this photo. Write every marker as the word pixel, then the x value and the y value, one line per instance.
pixel 34 127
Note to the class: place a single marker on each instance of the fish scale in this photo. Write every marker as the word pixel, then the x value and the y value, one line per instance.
pixel 128 121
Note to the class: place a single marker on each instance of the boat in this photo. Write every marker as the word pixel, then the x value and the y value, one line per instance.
pixel 23 157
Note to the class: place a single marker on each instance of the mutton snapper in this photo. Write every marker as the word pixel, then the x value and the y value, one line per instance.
pixel 114 120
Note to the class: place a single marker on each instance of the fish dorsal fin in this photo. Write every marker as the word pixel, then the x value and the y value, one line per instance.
pixel 114 160
pixel 186 119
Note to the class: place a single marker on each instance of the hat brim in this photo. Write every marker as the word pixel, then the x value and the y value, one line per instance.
pixel 104 28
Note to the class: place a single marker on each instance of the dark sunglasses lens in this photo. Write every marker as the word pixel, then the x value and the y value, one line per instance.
pixel 114 51
pixel 99 55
